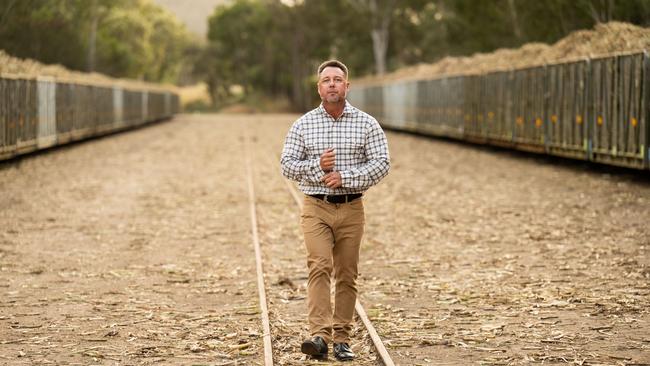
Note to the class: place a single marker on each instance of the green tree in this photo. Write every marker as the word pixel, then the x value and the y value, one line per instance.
pixel 46 30
pixel 270 47
pixel 237 39
pixel 274 48
pixel 123 44
pixel 122 38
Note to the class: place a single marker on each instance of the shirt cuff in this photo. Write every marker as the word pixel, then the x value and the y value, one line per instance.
pixel 346 176
pixel 316 171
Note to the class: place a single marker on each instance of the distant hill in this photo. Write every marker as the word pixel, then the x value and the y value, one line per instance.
pixel 193 13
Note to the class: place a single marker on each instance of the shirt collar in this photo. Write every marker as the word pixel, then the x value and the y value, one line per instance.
pixel 347 110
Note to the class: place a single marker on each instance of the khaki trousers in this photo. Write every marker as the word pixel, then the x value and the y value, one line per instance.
pixel 333 237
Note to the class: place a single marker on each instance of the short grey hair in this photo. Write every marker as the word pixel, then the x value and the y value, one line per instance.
pixel 332 63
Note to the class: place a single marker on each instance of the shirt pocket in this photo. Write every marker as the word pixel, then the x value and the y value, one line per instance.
pixel 354 147
pixel 315 146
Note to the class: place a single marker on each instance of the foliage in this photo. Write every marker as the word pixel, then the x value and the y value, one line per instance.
pixel 482 26
pixel 122 38
pixel 46 29
pixel 274 46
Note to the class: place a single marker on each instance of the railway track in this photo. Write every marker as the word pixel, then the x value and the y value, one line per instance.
pixel 382 356
pixel 136 249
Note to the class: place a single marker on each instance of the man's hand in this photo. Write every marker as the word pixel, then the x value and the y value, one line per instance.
pixel 327 160
pixel 332 180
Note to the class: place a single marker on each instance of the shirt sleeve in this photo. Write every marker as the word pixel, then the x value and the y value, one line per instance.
pixel 377 165
pixel 295 162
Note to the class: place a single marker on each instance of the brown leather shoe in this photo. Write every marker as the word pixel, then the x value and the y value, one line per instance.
pixel 342 352
pixel 315 347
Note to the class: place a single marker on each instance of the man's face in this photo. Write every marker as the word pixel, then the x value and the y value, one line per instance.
pixel 332 85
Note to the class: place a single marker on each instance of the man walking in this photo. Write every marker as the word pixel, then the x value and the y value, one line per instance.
pixel 335 152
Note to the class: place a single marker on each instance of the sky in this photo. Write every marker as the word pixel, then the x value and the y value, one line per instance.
pixel 193 13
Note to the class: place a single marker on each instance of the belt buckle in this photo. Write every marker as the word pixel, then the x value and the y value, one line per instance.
pixel 327 196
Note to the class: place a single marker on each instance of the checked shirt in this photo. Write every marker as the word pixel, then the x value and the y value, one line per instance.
pixel 360 148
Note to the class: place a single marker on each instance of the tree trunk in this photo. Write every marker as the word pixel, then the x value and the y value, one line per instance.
pixel 381 17
pixel 298 96
pixel 381 12
pixel 604 13
pixel 610 10
pixel 7 10
pixel 557 7
pixel 92 37
pixel 379 48
pixel 515 21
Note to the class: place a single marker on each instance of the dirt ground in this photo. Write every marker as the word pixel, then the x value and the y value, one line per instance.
pixel 135 249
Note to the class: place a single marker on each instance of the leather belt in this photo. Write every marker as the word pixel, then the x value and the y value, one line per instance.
pixel 339 198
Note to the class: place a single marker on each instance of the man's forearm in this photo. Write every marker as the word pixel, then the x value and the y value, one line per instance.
pixel 366 175
pixel 302 170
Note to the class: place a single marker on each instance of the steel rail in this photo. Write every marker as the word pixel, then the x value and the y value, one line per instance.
pixel 268 350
